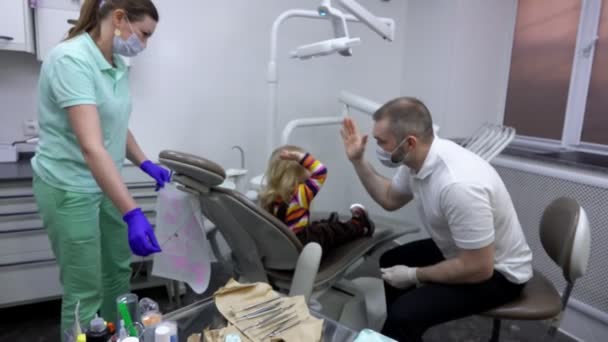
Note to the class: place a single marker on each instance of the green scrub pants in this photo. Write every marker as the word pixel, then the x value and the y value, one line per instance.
pixel 89 240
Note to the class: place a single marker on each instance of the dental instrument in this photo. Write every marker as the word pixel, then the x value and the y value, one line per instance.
pixel 273 322
pixel 283 329
pixel 276 325
pixel 261 312
pixel 256 305
pixel 269 320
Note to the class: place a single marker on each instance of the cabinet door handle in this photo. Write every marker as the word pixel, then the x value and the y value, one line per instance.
pixel 72 21
pixel 16 231
pixel 6 38
pixel 30 262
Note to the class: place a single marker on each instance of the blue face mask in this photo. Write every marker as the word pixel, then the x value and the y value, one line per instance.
pixel 130 47
pixel 389 159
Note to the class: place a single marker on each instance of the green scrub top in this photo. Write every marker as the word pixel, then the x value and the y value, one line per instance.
pixel 76 73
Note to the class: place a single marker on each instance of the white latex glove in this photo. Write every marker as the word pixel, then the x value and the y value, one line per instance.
pixel 400 276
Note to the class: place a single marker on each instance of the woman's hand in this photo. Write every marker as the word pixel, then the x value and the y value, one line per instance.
pixel 141 235
pixel 160 174
pixel 354 142
pixel 291 155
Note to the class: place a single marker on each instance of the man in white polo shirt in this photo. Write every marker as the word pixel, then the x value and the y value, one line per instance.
pixel 477 257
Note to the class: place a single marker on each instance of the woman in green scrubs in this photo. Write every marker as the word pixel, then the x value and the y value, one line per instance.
pixel 84 107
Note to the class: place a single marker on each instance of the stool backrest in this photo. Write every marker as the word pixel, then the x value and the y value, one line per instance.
pixel 566 237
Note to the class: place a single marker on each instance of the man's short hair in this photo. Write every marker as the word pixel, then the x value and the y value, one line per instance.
pixel 407 116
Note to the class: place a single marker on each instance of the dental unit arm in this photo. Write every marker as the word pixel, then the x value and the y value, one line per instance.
pixel 342 42
pixel 338 23
pixel 386 31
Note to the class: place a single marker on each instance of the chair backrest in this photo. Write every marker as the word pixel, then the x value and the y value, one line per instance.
pixel 201 176
pixel 566 237
pixel 257 239
pixel 200 169
pixel 277 245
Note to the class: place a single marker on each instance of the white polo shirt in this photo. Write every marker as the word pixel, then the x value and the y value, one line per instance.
pixel 465 205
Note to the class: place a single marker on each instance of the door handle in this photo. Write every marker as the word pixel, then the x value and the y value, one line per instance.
pixel 7 38
pixel 29 262
pixel 17 231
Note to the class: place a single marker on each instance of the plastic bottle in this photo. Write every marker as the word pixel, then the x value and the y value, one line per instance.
pixel 97 331
pixel 122 333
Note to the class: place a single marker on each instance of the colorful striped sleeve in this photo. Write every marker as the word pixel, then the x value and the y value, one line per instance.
pixel 309 189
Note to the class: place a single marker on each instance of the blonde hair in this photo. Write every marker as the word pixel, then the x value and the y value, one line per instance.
pixel 282 177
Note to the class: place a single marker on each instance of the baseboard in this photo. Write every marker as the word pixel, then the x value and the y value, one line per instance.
pixel 584 323
pixel 565 333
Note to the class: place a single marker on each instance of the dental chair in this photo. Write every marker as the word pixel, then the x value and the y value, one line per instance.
pixel 264 248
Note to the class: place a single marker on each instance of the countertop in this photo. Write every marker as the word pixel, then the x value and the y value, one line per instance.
pixel 581 160
pixel 19 170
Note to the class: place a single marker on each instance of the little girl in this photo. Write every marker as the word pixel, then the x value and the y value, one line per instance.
pixel 293 178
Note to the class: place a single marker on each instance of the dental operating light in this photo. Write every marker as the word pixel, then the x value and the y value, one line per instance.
pixel 325 47
pixel 342 41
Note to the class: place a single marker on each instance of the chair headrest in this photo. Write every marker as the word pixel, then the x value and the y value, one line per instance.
pixel 200 169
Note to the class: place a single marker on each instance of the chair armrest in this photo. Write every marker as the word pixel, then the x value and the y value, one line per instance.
pixel 306 271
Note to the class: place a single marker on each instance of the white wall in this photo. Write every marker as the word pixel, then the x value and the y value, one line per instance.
pixel 201 87
pixel 457 60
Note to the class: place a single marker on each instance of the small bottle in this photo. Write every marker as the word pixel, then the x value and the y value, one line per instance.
pixel 111 328
pixel 97 330
pixel 122 333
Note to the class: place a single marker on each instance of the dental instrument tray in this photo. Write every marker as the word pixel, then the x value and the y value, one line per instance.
pixel 254 312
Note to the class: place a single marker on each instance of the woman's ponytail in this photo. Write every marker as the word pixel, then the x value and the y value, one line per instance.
pixel 93 11
pixel 89 16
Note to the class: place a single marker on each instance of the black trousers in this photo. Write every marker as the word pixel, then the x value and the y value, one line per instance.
pixel 330 233
pixel 412 311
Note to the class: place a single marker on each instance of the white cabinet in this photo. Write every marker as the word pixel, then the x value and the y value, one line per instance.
pixel 28 271
pixel 16 26
pixel 51 28
pixel 53 20
pixel 52 24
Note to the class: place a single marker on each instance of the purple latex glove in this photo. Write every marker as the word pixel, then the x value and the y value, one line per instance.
pixel 141 236
pixel 160 174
